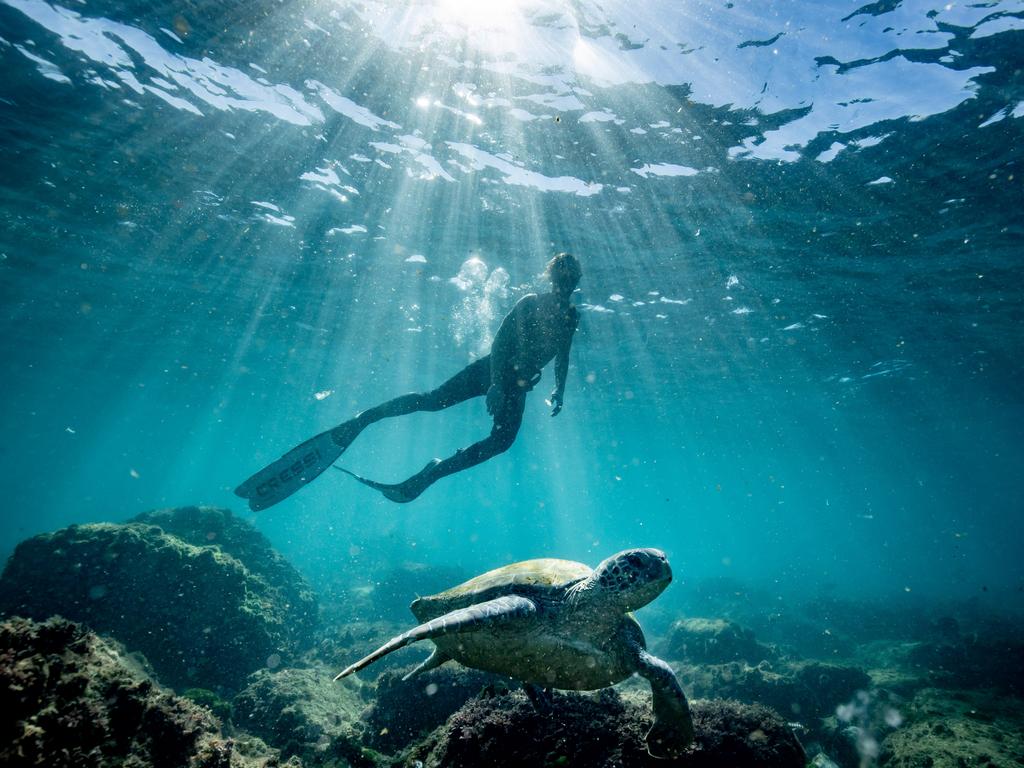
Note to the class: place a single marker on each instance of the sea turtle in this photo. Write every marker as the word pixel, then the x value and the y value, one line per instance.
pixel 556 624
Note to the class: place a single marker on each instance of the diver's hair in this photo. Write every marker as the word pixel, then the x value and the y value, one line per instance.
pixel 564 269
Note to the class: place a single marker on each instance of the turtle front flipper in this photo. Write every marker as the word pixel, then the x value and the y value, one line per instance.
pixel 672 732
pixel 470 619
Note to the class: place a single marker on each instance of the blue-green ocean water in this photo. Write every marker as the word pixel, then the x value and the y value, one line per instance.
pixel 225 227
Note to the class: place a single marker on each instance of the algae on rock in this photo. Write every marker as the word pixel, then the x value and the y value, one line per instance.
pixel 403 710
pixel 304 712
pixel 602 730
pixel 213 526
pixel 713 641
pixel 72 698
pixel 201 616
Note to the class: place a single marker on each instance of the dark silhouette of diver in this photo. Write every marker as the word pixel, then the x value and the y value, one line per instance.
pixel 538 329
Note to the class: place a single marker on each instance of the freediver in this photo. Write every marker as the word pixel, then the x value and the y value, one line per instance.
pixel 539 329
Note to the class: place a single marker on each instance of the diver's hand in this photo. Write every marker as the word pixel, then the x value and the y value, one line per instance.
pixel 555 401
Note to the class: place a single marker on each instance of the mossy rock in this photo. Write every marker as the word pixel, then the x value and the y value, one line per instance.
pixel 803 690
pixel 713 641
pixel 206 698
pixel 71 698
pixel 404 710
pixel 201 616
pixel 602 730
pixel 304 712
pixel 220 528
pixel 951 729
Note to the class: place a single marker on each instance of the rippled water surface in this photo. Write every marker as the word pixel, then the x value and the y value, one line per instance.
pixel 226 226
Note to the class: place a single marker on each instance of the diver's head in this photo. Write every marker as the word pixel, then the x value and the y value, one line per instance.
pixel 564 272
pixel 629 579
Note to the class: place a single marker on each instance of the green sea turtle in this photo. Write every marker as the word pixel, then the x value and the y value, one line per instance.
pixel 556 624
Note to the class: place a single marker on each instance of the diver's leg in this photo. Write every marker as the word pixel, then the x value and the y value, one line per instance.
pixel 471 381
pixel 506 426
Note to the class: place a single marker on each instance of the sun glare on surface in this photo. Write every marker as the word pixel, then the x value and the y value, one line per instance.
pixel 477 16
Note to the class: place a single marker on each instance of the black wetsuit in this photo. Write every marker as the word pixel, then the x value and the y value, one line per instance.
pixel 528 339
pixel 472 381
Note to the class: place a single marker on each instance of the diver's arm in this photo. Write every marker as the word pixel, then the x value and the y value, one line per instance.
pixel 562 367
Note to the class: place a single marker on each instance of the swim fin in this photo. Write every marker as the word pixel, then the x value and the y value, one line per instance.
pixel 404 492
pixel 302 464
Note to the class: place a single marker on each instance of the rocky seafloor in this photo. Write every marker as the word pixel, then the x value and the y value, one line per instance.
pixel 181 638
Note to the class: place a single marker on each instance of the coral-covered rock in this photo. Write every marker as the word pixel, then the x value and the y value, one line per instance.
pixel 213 526
pixel 950 729
pixel 804 690
pixel 201 616
pixel 303 712
pixel 70 698
pixel 403 711
pixel 713 641
pixel 742 735
pixel 602 730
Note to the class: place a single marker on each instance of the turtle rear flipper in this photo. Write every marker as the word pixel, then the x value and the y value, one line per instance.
pixel 434 660
pixel 672 733
pixel 470 619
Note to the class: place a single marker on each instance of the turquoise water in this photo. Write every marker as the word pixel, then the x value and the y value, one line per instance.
pixel 225 229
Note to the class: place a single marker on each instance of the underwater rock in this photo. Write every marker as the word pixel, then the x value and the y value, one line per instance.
pixel 71 698
pixel 743 735
pixel 207 698
pixel 304 712
pixel 403 711
pixel 802 690
pixel 972 662
pixel 951 729
pixel 713 641
pixel 602 730
pixel 214 526
pixel 201 616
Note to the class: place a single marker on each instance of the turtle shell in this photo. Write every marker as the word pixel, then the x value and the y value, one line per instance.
pixel 530 578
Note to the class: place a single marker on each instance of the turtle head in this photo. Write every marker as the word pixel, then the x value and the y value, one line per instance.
pixel 629 579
